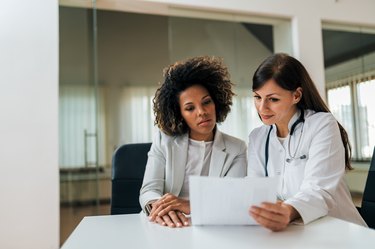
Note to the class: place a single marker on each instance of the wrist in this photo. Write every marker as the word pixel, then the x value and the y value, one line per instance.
pixel 293 213
pixel 148 207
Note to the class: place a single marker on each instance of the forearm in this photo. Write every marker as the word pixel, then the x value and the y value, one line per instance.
pixel 308 208
pixel 148 197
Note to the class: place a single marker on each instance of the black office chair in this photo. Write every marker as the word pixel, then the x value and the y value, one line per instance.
pixel 367 210
pixel 128 167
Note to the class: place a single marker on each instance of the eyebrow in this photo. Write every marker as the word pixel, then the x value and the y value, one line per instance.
pixel 189 103
pixel 267 94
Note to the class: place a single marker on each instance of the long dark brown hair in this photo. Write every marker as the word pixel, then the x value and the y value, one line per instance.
pixel 290 74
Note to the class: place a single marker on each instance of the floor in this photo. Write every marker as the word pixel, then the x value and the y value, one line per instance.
pixel 357 199
pixel 70 216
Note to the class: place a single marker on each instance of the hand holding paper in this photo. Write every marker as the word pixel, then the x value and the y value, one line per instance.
pixel 274 216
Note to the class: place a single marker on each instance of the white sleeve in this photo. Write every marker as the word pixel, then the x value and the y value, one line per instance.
pixel 238 166
pixel 154 177
pixel 255 164
pixel 323 172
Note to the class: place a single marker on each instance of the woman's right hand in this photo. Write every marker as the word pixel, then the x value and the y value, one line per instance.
pixel 274 216
pixel 172 219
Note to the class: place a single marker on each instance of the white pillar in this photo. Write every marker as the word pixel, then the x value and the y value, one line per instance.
pixel 29 192
pixel 282 38
pixel 308 47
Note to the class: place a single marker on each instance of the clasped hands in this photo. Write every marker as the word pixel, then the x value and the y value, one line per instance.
pixel 170 211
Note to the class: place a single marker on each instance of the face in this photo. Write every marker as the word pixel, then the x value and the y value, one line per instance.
pixel 198 111
pixel 276 105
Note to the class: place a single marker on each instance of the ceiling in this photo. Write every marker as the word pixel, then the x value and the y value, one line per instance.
pixel 339 46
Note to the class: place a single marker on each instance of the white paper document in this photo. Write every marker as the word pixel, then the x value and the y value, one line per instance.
pixel 226 201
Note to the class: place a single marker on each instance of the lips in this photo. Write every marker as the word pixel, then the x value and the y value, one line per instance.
pixel 266 117
pixel 204 122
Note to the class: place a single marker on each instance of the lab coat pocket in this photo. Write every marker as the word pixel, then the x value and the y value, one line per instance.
pixel 296 163
pixel 294 174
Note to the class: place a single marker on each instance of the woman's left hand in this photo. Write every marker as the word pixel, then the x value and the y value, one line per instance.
pixel 274 216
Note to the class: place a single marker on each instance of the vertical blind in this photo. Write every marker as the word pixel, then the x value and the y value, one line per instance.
pixel 135 121
pixel 352 102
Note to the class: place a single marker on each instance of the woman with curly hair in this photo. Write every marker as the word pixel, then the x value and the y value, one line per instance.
pixel 195 95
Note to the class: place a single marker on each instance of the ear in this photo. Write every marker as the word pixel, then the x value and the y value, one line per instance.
pixel 297 95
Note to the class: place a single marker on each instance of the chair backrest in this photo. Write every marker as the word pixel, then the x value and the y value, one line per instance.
pixel 128 167
pixel 368 200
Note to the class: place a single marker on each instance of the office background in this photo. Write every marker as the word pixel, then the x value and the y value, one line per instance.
pixel 78 83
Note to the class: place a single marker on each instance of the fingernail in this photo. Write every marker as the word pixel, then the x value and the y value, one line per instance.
pixel 178 224
pixel 186 223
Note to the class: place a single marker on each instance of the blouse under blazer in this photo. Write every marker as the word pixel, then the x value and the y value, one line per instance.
pixel 167 158
pixel 313 183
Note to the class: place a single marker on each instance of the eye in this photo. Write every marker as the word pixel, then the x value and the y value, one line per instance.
pixel 207 101
pixel 274 99
pixel 189 108
pixel 256 97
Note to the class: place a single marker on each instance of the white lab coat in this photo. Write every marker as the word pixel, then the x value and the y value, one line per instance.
pixel 314 186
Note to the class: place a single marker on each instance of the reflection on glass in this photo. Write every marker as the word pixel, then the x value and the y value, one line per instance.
pixel 241 45
pixel 366 105
pixel 352 64
pixel 340 104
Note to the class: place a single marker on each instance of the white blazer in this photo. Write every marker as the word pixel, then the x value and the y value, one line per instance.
pixel 313 185
pixel 167 158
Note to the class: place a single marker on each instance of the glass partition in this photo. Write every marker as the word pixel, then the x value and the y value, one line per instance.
pixel 81 126
pixel 110 66
pixel 242 48
pixel 349 54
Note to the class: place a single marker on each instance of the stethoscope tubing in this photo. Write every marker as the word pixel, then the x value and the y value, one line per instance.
pixel 301 119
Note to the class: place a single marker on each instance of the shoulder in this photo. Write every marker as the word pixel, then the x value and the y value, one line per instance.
pixel 231 139
pixel 319 120
pixel 321 125
pixel 162 139
pixel 232 142
pixel 259 132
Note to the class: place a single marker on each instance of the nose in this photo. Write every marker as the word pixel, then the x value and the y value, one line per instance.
pixel 262 105
pixel 201 111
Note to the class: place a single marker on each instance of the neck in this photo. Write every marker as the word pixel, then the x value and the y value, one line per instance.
pixel 283 127
pixel 282 131
pixel 202 137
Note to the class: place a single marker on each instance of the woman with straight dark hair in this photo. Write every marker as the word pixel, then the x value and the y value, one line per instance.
pixel 302 144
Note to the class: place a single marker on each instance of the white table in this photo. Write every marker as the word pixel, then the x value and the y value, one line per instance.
pixel 135 231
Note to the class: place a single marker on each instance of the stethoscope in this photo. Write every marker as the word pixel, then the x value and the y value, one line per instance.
pixel 301 119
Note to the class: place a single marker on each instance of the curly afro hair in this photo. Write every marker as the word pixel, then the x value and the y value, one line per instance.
pixel 209 72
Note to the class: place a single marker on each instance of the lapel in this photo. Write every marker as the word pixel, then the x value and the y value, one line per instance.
pixel 218 156
pixel 179 157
